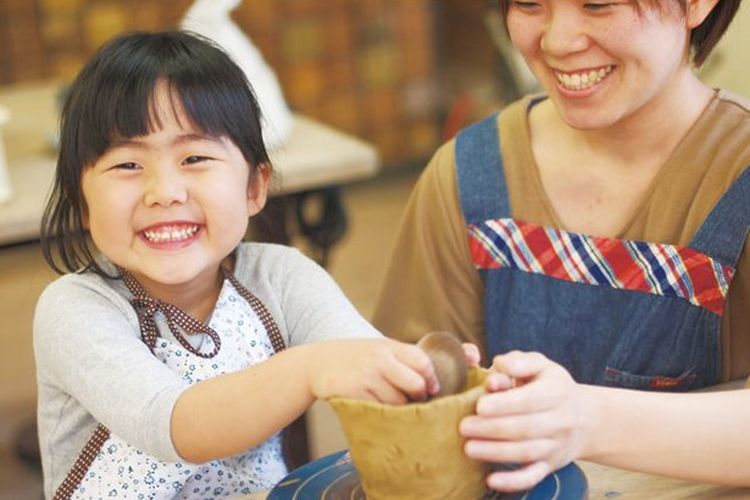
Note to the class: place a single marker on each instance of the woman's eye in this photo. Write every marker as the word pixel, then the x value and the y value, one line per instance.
pixel 597 6
pixel 526 5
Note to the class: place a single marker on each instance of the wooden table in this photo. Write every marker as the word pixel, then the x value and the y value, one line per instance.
pixel 314 156
pixel 610 483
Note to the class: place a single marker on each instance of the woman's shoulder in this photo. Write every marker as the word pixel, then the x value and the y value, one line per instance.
pixel 729 101
pixel 725 133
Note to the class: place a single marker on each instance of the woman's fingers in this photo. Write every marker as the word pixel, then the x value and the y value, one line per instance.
pixel 520 479
pixel 512 428
pixel 473 357
pixel 517 364
pixel 532 397
pixel 510 451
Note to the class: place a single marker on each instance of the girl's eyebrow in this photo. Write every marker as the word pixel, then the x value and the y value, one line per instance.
pixel 180 139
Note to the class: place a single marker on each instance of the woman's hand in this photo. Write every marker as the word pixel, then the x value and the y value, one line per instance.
pixel 473 357
pixel 535 416
pixel 381 370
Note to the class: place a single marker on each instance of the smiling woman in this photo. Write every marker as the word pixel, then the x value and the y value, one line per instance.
pixel 593 240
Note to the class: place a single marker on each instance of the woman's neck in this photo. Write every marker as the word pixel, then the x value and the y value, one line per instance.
pixel 648 136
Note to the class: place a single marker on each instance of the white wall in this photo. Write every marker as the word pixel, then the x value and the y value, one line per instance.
pixel 729 65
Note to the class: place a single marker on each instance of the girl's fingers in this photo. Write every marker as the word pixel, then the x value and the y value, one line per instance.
pixel 386 393
pixel 509 452
pixel 413 372
pixel 520 479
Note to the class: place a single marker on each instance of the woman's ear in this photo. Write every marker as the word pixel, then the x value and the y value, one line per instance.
pixel 698 11
pixel 257 188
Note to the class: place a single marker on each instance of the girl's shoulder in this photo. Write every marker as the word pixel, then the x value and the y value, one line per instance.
pixel 266 261
pixel 80 292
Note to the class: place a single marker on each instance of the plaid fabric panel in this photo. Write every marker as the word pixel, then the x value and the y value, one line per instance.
pixel 653 268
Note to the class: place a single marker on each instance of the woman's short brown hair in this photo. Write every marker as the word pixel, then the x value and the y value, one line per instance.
pixel 703 38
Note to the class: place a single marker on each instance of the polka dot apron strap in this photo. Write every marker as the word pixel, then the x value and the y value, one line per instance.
pixel 82 464
pixel 178 321
pixel 277 341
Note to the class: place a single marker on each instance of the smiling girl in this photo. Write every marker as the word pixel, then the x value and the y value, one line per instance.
pixel 172 355
pixel 593 240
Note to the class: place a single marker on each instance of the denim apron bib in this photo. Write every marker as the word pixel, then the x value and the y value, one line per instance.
pixel 622 313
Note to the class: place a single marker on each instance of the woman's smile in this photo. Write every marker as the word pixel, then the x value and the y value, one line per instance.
pixel 584 79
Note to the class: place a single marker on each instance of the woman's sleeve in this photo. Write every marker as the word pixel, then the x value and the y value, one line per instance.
pixel 431 283
pixel 90 358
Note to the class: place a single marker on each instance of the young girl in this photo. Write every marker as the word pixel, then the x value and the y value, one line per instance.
pixel 162 366
pixel 588 239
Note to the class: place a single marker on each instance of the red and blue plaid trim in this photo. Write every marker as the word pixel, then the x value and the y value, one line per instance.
pixel 654 268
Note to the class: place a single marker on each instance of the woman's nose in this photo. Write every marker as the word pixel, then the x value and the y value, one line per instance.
pixel 564 33
pixel 165 186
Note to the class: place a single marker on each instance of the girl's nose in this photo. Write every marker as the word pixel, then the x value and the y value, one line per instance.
pixel 165 187
pixel 564 34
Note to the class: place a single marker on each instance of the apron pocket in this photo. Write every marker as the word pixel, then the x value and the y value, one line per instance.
pixel 626 380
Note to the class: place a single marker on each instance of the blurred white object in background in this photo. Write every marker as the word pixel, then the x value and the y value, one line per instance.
pixel 6 193
pixel 211 19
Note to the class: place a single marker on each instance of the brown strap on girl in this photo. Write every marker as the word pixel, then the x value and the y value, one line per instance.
pixel 178 321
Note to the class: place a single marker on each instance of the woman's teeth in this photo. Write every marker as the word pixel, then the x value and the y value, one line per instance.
pixel 583 80
pixel 170 234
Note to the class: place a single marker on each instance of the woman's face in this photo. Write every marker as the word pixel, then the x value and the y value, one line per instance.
pixel 601 61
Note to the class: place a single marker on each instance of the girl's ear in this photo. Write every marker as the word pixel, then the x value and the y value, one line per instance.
pixel 257 188
pixel 698 11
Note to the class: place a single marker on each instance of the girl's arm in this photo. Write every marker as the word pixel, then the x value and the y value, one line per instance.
pixel 539 417
pixel 226 415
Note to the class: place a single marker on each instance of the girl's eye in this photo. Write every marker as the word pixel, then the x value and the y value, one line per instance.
pixel 128 165
pixel 191 160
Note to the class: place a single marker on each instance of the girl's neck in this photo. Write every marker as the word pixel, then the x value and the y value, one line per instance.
pixel 196 298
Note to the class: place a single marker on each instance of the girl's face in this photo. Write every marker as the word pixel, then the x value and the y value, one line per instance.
pixel 601 61
pixel 171 205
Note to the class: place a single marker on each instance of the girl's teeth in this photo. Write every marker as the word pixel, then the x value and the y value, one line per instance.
pixel 581 81
pixel 172 234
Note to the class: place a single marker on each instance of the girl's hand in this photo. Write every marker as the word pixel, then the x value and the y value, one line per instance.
pixel 381 370
pixel 536 416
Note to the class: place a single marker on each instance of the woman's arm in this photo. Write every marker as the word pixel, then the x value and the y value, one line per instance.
pixel 539 417
pixel 702 437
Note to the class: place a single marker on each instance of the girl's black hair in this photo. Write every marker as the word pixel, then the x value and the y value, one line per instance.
pixel 112 98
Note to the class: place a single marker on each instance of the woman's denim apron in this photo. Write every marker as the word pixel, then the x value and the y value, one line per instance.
pixel 613 312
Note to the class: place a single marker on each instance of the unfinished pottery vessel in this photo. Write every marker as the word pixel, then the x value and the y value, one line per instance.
pixel 414 451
